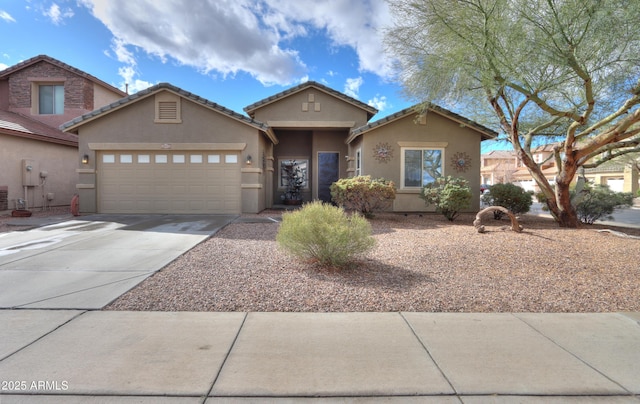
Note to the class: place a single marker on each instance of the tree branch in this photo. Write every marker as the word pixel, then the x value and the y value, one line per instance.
pixel 620 148
pixel 615 134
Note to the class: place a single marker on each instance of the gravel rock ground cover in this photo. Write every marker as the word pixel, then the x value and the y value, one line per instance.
pixel 420 263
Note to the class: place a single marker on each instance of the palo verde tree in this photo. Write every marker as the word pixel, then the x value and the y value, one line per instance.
pixel 542 71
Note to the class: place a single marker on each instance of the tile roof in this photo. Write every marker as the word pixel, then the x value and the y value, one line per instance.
pixel 500 154
pixel 486 132
pixel 19 125
pixel 73 124
pixel 256 105
pixel 44 58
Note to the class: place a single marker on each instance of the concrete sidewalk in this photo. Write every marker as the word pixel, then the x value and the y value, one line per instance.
pixel 147 357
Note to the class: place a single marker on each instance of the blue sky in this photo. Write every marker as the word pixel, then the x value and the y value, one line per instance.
pixel 232 52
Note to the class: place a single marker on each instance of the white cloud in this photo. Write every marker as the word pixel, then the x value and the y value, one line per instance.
pixel 224 36
pixel 357 24
pixel 352 87
pixel 124 55
pixel 6 16
pixel 251 36
pixel 56 15
pixel 130 83
pixel 379 102
pixel 3 66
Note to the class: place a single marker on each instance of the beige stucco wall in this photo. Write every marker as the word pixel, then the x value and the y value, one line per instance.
pixel 254 176
pixel 134 125
pixel 103 96
pixel 331 109
pixel 58 161
pixel 437 131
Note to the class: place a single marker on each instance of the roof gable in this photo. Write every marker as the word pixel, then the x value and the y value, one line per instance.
pixel 4 74
pixel 250 110
pixel 485 132
pixel 114 106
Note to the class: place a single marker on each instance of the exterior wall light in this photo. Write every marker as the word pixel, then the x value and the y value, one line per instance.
pixel 249 160
pixel 85 159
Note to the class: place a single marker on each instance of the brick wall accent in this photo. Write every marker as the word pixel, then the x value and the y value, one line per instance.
pixel 78 91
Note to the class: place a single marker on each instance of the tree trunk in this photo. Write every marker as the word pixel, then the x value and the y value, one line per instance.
pixel 565 213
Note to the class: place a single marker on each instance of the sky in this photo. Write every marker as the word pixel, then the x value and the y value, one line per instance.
pixel 232 52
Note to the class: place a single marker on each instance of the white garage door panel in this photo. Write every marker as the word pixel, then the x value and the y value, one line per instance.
pixel 167 182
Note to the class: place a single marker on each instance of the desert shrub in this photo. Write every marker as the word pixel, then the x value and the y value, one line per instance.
pixel 324 233
pixel 449 195
pixel 364 194
pixel 541 197
pixel 509 196
pixel 598 201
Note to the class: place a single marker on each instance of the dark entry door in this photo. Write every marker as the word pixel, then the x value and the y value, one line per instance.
pixel 328 173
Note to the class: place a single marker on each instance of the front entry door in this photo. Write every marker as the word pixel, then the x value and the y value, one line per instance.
pixel 328 173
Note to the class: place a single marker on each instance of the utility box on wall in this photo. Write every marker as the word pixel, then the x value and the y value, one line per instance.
pixel 30 173
pixel 4 198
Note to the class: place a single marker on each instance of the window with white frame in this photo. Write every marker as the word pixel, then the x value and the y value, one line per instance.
pixel 358 162
pixel 51 99
pixel 420 166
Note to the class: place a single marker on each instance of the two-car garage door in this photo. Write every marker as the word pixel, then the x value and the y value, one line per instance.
pixel 168 182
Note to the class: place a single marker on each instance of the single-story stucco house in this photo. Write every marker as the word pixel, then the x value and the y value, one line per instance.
pixel 166 150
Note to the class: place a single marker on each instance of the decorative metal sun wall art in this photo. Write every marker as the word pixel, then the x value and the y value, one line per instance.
pixel 461 162
pixel 383 152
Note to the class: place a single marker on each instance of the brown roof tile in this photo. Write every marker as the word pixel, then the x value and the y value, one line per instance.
pixel 13 124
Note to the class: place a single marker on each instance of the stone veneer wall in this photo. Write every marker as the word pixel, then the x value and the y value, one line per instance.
pixel 78 92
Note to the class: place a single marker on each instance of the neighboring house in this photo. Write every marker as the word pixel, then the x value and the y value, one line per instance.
pixel 38 161
pixel 165 150
pixel 618 175
pixel 543 155
pixel 498 167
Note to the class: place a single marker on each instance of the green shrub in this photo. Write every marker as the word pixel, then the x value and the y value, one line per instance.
pixel 364 194
pixel 598 201
pixel 324 233
pixel 449 195
pixel 509 196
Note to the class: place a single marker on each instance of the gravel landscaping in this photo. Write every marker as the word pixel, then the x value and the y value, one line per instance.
pixel 420 263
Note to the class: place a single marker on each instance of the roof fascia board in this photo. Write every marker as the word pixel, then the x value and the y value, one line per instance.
pixel 311 124
pixel 35 136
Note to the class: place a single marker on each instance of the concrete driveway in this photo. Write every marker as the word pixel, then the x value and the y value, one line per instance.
pixel 88 262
